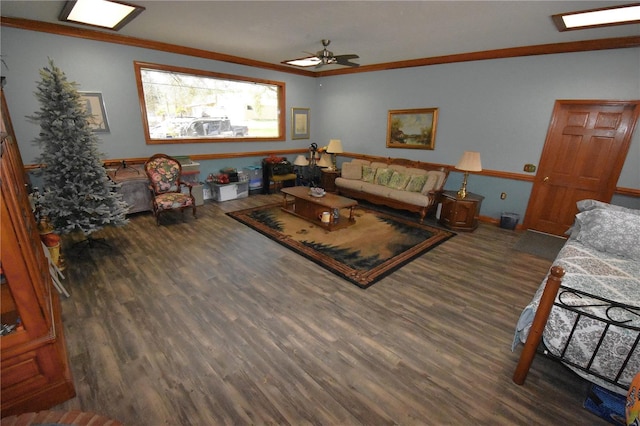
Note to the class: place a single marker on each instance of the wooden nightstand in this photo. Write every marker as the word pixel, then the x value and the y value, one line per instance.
pixel 460 214
pixel 328 179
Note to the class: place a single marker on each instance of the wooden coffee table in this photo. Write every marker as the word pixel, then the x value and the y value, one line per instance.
pixel 308 207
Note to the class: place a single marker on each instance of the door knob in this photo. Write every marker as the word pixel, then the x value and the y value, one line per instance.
pixel 546 179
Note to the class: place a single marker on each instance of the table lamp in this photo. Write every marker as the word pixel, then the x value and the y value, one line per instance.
pixel 469 162
pixel 300 162
pixel 324 161
pixel 334 147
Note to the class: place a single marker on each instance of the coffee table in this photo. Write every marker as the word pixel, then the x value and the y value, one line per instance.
pixel 308 207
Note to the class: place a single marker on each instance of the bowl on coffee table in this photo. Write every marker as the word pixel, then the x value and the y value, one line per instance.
pixel 317 192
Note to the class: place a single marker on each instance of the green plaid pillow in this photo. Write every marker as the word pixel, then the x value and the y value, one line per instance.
pixel 398 180
pixel 383 176
pixel 416 183
pixel 368 174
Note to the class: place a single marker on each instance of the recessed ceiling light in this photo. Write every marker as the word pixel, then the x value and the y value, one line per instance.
pixel 608 16
pixel 100 13
pixel 310 61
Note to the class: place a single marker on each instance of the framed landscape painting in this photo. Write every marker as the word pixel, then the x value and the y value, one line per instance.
pixel 412 128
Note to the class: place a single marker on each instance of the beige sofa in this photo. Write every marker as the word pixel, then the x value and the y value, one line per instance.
pixel 397 183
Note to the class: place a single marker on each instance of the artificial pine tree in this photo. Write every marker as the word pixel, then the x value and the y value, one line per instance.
pixel 77 194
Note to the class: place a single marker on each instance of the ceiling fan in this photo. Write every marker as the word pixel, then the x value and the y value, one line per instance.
pixel 327 57
pixel 324 57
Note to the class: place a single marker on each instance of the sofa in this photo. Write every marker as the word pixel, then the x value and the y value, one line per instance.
pixel 396 183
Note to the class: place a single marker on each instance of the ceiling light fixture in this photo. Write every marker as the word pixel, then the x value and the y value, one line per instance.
pixel 310 61
pixel 108 14
pixel 594 18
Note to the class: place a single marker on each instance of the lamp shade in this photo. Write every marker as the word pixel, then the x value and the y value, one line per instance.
pixel 325 161
pixel 470 162
pixel 301 161
pixel 335 146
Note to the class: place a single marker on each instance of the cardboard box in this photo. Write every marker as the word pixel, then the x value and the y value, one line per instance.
pixel 191 167
pixel 198 193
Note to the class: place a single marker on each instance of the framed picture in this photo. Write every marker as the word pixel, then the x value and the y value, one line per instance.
pixel 94 105
pixel 412 128
pixel 299 123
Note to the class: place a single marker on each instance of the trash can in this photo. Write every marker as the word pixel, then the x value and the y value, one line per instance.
pixel 509 220
pixel 255 179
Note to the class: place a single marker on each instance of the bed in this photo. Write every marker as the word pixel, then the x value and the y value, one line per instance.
pixel 586 312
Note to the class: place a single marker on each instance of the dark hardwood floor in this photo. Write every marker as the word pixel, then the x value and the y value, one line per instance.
pixel 207 322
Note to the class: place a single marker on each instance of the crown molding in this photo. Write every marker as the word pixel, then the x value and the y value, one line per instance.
pixel 513 52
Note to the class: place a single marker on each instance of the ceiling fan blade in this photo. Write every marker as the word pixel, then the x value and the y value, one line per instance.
pixel 345 60
pixel 347 57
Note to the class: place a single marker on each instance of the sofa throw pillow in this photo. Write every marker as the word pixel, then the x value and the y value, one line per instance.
pixel 351 171
pixel 368 173
pixel 416 183
pixel 430 184
pixel 611 231
pixel 398 180
pixel 383 176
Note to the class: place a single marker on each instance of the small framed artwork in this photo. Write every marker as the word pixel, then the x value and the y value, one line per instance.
pixel 412 128
pixel 93 103
pixel 300 123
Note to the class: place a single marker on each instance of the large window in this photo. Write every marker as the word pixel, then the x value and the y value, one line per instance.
pixel 181 105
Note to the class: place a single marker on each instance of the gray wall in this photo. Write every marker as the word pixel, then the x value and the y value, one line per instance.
pixel 499 107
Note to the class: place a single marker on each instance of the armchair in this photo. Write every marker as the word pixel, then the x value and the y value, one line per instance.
pixel 165 184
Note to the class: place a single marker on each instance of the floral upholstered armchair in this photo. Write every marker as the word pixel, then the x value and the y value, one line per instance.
pixel 165 184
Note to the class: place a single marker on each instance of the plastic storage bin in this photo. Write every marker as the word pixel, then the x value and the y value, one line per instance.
pixel 230 191
pixel 509 220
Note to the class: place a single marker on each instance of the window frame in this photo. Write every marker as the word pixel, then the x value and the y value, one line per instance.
pixel 278 85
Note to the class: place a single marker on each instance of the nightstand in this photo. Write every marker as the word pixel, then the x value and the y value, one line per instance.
pixel 460 214
pixel 328 179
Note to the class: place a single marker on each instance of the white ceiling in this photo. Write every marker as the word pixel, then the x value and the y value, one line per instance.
pixel 378 31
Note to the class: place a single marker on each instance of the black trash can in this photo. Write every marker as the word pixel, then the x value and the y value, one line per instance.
pixel 509 220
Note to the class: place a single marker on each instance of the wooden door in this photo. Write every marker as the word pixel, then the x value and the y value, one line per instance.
pixel 584 152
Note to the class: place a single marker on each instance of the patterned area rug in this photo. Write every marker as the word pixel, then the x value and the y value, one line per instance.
pixel 376 245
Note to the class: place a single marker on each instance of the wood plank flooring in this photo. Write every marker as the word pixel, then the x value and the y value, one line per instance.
pixel 206 322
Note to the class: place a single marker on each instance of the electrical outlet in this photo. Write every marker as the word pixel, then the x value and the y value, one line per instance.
pixel 503 195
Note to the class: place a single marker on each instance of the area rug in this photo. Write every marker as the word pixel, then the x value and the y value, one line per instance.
pixel 540 244
pixel 363 253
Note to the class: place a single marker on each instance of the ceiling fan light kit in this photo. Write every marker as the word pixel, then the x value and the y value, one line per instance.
pixel 324 57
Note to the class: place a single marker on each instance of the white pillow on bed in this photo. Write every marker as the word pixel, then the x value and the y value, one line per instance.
pixel 588 205
pixel 612 231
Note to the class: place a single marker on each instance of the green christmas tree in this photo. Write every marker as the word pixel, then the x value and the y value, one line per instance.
pixel 77 193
